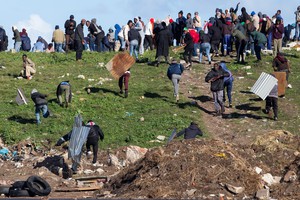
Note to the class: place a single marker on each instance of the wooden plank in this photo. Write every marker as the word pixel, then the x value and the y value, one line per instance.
pixel 282 83
pixel 78 189
pixel 90 178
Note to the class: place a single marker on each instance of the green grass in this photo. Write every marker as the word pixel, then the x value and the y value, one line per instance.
pixel 118 117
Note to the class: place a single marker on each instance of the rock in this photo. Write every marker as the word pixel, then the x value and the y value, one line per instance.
pixel 142 119
pixel 191 192
pixel 194 111
pixel 175 115
pixel 296 153
pixel 161 137
pixel 88 91
pixel 91 79
pixel 246 67
pixel 2 67
pixel 263 194
pixel 268 178
pixel 18 165
pixel 235 190
pixel 113 160
pixel 68 74
pixel 133 153
pixel 277 179
pixel 88 171
pixel 258 170
pixel 249 73
pixel 100 171
pixel 290 176
pixel 81 76
pixel 1 143
pixel 240 77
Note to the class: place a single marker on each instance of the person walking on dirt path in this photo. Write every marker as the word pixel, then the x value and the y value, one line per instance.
pixel 190 132
pixel 174 74
pixel 64 88
pixel 40 102
pixel 216 78
pixel 281 64
pixel 228 83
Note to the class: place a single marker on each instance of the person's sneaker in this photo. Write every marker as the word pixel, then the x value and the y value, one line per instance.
pixel 222 109
pixel 126 94
pixel 121 92
pixel 230 105
pixel 67 104
pixel 218 113
pixel 209 62
pixel 289 86
pixel 275 118
pixel 177 98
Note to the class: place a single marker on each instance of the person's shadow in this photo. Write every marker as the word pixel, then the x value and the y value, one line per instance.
pixel 104 90
pixel 21 120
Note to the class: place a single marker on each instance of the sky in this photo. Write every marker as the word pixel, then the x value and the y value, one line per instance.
pixel 39 17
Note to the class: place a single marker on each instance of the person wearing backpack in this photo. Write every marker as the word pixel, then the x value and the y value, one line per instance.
pixel 174 74
pixel 2 38
pixel 26 43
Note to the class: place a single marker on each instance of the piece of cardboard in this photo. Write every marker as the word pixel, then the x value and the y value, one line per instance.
pixel 119 64
pixel 282 83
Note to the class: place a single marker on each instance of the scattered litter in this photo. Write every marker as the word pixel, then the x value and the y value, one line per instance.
pixel 161 137
pixel 81 76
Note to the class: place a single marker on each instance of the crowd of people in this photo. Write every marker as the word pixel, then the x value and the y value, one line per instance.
pixel 217 36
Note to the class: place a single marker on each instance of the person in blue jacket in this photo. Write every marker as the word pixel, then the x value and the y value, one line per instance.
pixel 174 74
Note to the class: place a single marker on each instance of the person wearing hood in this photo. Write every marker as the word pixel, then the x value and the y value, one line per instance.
pixel 281 64
pixel 228 83
pixel 163 41
pixel 17 38
pixel 255 20
pixel 233 12
pixel 23 33
pixel 118 42
pixel 174 74
pixel 216 78
pixel 190 132
pixel 245 16
pixel 297 23
pixel 40 102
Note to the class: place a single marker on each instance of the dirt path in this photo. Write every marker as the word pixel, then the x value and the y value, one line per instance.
pixel 239 124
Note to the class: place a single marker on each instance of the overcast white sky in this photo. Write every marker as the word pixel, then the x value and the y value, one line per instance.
pixel 39 17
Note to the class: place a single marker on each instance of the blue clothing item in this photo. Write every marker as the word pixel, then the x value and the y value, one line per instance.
pixel 38 46
pixel 58 47
pixel 227 43
pixel 134 44
pixel 38 109
pixel 228 86
pixel 174 68
pixel 205 47
pixel 269 41
pixel 17 46
pixel 230 77
pixel 118 29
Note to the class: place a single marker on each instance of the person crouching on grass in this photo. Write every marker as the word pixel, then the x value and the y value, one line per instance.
pixel 216 79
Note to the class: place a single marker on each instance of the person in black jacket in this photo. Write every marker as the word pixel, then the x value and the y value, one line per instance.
pixel 79 39
pixel 188 48
pixel 94 135
pixel 163 41
pixel 70 26
pixel 40 105
pixel 216 78
pixel 191 132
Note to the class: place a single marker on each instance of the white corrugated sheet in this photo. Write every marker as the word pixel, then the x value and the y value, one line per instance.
pixel 264 85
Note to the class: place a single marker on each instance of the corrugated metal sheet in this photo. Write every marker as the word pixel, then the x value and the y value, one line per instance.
pixel 78 138
pixel 264 85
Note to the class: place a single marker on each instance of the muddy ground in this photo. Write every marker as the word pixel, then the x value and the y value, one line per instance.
pixel 203 168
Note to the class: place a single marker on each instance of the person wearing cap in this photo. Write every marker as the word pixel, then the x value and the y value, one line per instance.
pixel 174 74
pixel 79 39
pixel 58 37
pixel 95 134
pixel 40 103
pixel 190 132
pixel 216 79
pixel 28 68
pixel 17 38
pixel 70 26
pixel 255 20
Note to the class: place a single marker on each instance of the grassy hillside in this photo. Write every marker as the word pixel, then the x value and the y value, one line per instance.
pixel 150 97
pixel 118 117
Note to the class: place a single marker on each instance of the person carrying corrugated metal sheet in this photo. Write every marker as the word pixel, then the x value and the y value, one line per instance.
pixel 81 133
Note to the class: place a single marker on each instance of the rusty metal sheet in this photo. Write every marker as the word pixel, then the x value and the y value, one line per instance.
pixel 119 64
